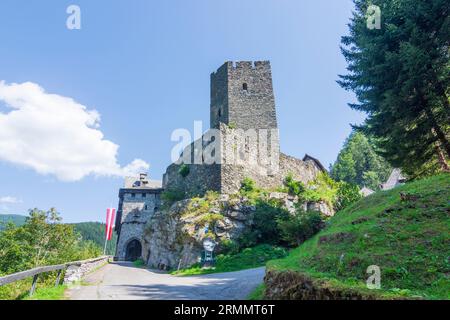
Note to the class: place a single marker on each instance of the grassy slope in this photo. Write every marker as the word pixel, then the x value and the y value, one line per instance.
pixel 49 293
pixel 246 259
pixel 408 240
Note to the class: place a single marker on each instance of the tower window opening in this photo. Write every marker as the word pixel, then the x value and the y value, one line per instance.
pixel 220 112
pixel 245 87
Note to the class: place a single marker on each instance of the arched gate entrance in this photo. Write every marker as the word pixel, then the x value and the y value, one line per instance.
pixel 133 250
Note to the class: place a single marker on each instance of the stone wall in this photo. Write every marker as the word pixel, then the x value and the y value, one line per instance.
pixel 242 95
pixel 135 212
pixel 76 271
pixel 256 157
pixel 201 178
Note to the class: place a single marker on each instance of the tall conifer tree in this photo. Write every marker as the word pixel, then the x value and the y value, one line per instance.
pixel 401 76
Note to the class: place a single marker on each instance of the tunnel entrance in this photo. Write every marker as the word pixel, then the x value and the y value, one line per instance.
pixel 133 251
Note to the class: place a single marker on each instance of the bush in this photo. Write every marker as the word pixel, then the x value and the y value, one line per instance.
pixel 346 195
pixel 298 228
pixel 228 247
pixel 294 188
pixel 171 196
pixel 248 185
pixel 264 228
pixel 323 188
pixel 184 170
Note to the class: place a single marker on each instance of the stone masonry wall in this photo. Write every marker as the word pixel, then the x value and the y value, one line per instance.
pixel 253 108
pixel 201 178
pixel 240 158
pixel 242 95
pixel 75 272
pixel 136 211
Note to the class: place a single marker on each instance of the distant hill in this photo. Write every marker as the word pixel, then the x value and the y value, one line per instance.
pixel 94 231
pixel 17 219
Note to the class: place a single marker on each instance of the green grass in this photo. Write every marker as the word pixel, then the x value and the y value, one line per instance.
pixel 246 259
pixel 50 293
pixel 258 293
pixel 139 263
pixel 409 240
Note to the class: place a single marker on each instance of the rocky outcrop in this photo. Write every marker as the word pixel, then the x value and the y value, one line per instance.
pixel 173 236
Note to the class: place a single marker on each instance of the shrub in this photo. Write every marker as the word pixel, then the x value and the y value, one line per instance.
pixel 210 219
pixel 294 188
pixel 228 247
pixel 264 228
pixel 347 194
pixel 298 228
pixel 184 170
pixel 171 196
pixel 248 185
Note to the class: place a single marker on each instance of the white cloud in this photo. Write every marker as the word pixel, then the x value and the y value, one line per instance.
pixel 9 200
pixel 55 135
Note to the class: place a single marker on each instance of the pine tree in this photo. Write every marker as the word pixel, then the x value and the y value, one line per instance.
pixel 401 76
pixel 358 164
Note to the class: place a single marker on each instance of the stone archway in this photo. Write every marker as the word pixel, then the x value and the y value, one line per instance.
pixel 133 250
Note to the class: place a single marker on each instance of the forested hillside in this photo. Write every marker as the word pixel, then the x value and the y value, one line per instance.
pixel 93 231
pixel 17 219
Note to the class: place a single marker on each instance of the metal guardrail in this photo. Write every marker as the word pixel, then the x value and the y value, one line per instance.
pixel 39 270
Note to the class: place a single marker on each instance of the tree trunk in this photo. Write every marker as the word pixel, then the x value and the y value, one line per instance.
pixel 442 160
pixel 437 129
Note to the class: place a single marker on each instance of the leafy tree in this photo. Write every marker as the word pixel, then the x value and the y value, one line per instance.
pixel 296 229
pixel 401 76
pixel 42 240
pixel 359 164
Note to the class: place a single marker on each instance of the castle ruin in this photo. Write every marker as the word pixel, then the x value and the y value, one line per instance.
pixel 242 142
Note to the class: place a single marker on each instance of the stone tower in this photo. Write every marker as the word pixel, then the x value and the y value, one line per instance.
pixel 242 96
pixel 243 111
pixel 138 201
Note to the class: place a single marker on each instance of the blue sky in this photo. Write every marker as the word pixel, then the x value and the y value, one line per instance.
pixel 144 66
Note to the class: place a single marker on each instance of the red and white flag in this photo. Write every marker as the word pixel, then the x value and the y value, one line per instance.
pixel 110 215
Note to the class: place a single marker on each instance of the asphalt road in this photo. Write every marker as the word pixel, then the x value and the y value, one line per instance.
pixel 123 281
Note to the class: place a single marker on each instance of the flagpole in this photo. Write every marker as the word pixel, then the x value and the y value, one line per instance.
pixel 106 230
